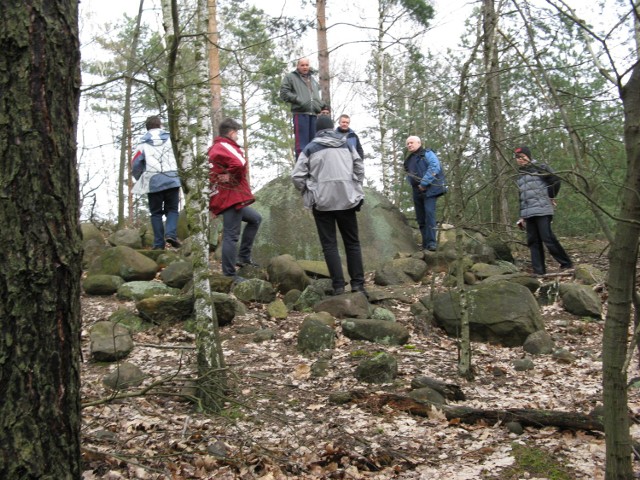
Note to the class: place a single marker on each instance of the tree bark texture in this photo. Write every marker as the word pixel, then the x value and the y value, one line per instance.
pixel 323 52
pixel 622 267
pixel 495 119
pixel 41 253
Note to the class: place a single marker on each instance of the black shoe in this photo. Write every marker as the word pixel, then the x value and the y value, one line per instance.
pixel 338 291
pixel 432 248
pixel 360 289
pixel 174 242
pixel 237 280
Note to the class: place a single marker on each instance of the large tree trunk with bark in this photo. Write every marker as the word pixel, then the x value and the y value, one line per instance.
pixel 41 249
pixel 495 120
pixel 323 52
pixel 622 267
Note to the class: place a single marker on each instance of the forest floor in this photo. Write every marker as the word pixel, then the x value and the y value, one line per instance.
pixel 278 423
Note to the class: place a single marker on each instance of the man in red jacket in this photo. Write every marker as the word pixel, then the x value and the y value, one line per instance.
pixel 231 196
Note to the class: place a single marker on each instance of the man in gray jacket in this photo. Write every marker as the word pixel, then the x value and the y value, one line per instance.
pixel 301 90
pixel 329 174
pixel 538 187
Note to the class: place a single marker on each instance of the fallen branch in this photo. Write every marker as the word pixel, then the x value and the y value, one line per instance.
pixel 524 416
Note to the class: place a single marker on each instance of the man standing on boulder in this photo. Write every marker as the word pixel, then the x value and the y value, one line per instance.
pixel 231 196
pixel 538 187
pixel 329 174
pixel 301 90
pixel 155 168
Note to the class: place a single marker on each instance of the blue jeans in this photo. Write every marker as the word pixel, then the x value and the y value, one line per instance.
pixel 304 129
pixel 426 217
pixel 232 219
pixel 165 202
pixel 539 234
pixel 348 225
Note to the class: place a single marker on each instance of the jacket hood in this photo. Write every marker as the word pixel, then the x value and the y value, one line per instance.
pixel 155 137
pixel 330 138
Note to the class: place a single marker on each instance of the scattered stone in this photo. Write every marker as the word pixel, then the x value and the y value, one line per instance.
pixel 381 368
pixel 125 375
pixel 523 364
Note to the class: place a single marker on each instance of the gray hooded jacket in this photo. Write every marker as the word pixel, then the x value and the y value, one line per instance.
pixel 329 173
pixel 534 196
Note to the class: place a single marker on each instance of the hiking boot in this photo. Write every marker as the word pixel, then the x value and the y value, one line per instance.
pixel 361 289
pixel 245 263
pixel 174 242
pixel 338 291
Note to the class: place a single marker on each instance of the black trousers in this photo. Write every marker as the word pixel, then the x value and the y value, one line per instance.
pixel 539 234
pixel 347 223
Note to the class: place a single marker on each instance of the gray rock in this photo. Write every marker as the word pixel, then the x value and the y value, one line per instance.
pixel 291 297
pixel 264 335
pixel 277 309
pixel 255 290
pixel 383 314
pixel 226 308
pixel 319 368
pixel 564 356
pixel 315 336
pixel 539 343
pixel 401 271
pixel 138 290
pixel 523 364
pixel 177 274
pixel 91 232
pixel 580 300
pixel 426 394
pixel 383 229
pixel 109 342
pixel 589 275
pixel 166 309
pixel 381 368
pixel 124 375
pixel 128 319
pixel 126 263
pixel 126 237
pixel 514 427
pixel 286 274
pixel 350 305
pixel 324 317
pixel 101 284
pixel 377 331
pixel 485 270
pixel 500 312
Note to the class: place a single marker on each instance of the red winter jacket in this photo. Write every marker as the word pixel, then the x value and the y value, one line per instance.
pixel 225 157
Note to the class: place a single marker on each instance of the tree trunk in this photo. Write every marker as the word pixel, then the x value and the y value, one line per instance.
pixel 323 52
pixel 495 120
pixel 214 66
pixel 622 267
pixel 41 253
pixel 126 122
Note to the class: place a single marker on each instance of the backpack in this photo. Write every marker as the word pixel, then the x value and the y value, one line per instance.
pixel 552 180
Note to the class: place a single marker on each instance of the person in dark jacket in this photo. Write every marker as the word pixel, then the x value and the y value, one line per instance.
pixel 329 174
pixel 536 183
pixel 352 138
pixel 155 169
pixel 231 196
pixel 301 90
pixel 425 176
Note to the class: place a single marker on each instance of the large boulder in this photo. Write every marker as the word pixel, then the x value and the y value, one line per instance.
pixel 287 227
pixel 399 271
pixel 101 284
pixel 126 263
pixel 286 274
pixel 128 237
pixel 376 331
pixel 109 342
pixel 500 312
pixel 580 300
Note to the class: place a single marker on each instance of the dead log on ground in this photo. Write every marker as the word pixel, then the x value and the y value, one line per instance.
pixel 525 416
